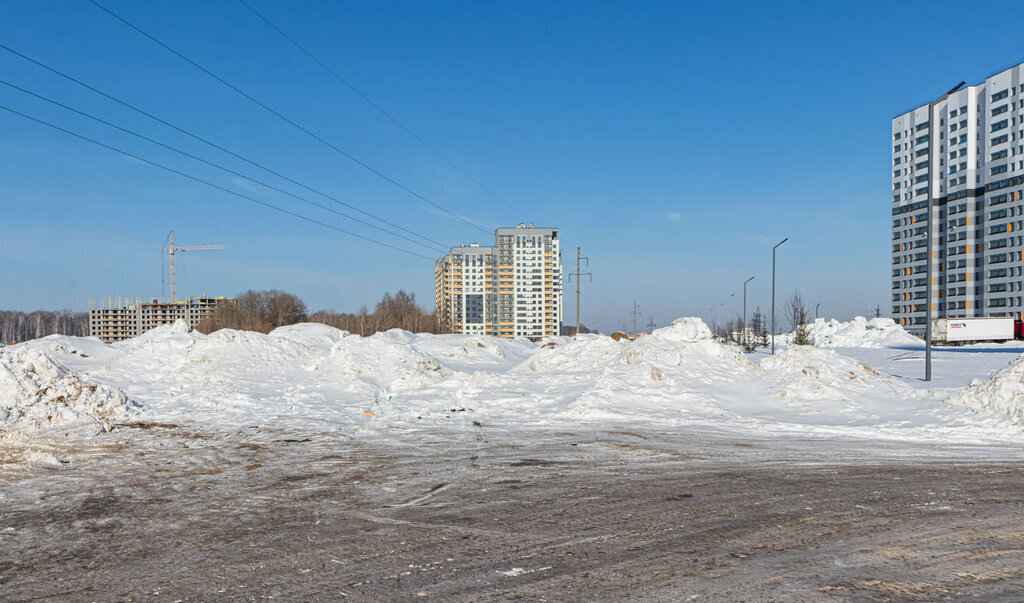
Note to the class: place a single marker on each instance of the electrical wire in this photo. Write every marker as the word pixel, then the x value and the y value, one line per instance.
pixel 210 163
pixel 210 184
pixel 209 143
pixel 287 120
pixel 370 102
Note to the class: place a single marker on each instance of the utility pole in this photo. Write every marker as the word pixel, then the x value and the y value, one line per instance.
pixel 878 311
pixel 636 314
pixel 651 325
pixel 173 249
pixel 773 292
pixel 579 275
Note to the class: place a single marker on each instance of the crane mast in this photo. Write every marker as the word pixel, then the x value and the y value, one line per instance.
pixel 172 249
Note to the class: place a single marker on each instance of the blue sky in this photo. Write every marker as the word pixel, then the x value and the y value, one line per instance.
pixel 674 142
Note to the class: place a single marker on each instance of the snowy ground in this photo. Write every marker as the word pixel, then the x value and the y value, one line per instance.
pixel 212 453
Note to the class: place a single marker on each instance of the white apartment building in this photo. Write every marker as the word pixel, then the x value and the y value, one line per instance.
pixel 513 289
pixel 958 172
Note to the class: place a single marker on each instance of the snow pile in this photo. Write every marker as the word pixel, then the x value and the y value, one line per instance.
pixel 314 377
pixel 174 336
pixel 860 333
pixel 688 341
pixel 37 391
pixel 814 372
pixel 309 334
pixel 473 353
pixel 1001 395
pixel 684 330
pixel 381 363
pixel 586 352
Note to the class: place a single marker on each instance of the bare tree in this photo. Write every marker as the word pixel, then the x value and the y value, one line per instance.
pixel 796 314
pixel 261 311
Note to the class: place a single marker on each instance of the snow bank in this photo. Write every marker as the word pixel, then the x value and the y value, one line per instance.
pixel 807 371
pixel 178 335
pixel 684 330
pixel 380 363
pixel 861 333
pixel 1001 395
pixel 311 376
pixel 38 391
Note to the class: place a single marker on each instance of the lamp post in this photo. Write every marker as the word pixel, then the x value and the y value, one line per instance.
pixel 929 262
pixel 745 307
pixel 773 291
pixel 745 300
pixel 816 306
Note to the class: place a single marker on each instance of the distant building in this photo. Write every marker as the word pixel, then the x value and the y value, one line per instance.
pixel 120 320
pixel 513 289
pixel 958 170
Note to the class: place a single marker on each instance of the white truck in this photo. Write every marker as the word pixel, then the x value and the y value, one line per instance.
pixel 972 330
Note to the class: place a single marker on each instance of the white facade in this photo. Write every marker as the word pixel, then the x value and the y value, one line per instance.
pixel 958 169
pixel 513 289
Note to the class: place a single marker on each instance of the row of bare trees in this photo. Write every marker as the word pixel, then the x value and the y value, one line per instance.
pixel 261 311
pixel 398 311
pixel 264 311
pixel 20 326
pixel 757 333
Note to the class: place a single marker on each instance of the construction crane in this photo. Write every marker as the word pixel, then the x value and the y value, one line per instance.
pixel 173 249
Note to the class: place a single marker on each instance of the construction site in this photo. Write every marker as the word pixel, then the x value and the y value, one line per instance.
pixel 118 318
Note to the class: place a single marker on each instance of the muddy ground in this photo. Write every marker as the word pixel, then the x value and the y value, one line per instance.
pixel 166 514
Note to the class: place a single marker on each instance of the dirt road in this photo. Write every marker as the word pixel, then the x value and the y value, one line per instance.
pixel 163 514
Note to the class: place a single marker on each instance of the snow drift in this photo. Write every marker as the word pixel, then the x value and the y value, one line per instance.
pixel 314 377
pixel 1001 395
pixel 861 333
pixel 37 391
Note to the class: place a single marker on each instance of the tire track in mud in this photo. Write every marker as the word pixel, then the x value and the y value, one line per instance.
pixel 608 516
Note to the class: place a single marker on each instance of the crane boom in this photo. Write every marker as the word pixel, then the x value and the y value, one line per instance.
pixel 171 251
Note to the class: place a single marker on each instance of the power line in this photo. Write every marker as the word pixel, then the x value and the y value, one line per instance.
pixel 210 163
pixel 285 119
pixel 210 184
pixel 370 102
pixel 212 144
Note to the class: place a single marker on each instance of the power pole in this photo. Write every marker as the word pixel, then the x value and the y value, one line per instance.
pixel 651 325
pixel 636 314
pixel 579 275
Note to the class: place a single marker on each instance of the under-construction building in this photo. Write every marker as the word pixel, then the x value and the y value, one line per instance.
pixel 513 289
pixel 117 319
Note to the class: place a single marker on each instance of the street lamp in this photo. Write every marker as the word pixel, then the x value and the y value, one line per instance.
pixel 744 302
pixel 929 258
pixel 773 291
pixel 816 306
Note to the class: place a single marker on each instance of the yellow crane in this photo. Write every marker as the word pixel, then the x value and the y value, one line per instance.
pixel 173 249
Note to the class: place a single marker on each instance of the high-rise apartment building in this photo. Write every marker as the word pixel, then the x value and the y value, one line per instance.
pixel 513 289
pixel 958 172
